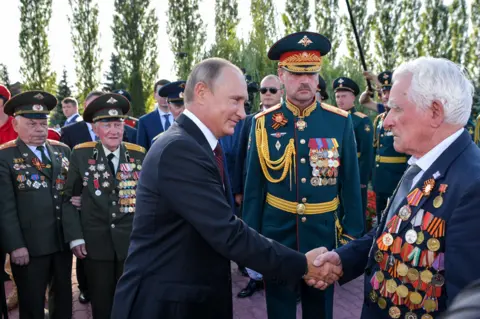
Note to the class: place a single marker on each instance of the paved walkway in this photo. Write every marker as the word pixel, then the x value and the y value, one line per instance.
pixel 348 301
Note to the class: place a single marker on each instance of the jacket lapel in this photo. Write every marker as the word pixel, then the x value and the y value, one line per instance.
pixel 86 132
pixel 436 171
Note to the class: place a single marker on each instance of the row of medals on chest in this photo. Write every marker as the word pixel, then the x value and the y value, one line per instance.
pixel 426 278
pixel 35 180
pixel 126 187
pixel 324 165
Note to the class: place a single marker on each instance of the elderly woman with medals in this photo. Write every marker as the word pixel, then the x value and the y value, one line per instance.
pixel 105 174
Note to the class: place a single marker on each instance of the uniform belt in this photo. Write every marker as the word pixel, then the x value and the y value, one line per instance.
pixel 302 208
pixel 391 159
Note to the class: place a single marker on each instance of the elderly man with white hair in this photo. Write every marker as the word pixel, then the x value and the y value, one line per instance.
pixel 425 249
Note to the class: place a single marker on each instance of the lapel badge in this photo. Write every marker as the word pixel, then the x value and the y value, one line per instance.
pixel 38 96
pixel 278 134
pixel 428 186
pixel 438 201
pixel 301 124
pixel 278 145
pixel 278 120
pixel 367 128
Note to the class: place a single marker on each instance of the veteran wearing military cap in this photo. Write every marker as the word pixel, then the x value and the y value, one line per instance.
pixel 346 91
pixel 105 174
pixel 32 174
pixel 301 162
pixel 173 92
pixel 389 164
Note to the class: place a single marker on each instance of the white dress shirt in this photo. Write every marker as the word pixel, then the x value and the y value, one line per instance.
pixel 116 156
pixel 212 140
pixel 38 153
pixel 90 130
pixel 162 117
pixel 428 159
pixel 67 121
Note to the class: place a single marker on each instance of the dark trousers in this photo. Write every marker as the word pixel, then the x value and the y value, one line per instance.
pixel 381 202
pixel 282 302
pixel 102 279
pixel 54 271
pixel 3 303
pixel 363 193
pixel 81 278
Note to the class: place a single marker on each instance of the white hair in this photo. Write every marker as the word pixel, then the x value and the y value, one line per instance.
pixel 435 79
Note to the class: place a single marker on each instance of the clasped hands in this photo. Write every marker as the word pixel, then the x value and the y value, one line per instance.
pixel 324 268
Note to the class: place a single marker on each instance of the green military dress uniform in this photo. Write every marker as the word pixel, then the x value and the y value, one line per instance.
pixel 300 165
pixel 33 179
pixel 363 128
pixel 389 164
pixel 107 206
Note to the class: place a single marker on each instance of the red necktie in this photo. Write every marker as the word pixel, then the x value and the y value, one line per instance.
pixel 219 159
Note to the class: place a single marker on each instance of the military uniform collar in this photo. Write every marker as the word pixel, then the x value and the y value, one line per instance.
pixel 301 113
pixel 107 152
pixel 352 110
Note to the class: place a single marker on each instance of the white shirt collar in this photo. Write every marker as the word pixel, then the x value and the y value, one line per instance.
pixel 71 117
pixel 428 159
pixel 89 125
pixel 116 153
pixel 34 148
pixel 212 140
pixel 162 113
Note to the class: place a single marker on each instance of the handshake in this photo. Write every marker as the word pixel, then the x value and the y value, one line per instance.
pixel 324 268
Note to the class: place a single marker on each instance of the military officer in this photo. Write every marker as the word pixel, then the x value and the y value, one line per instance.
pixel 173 92
pixel 33 172
pixel 105 174
pixel 301 160
pixel 389 164
pixel 346 91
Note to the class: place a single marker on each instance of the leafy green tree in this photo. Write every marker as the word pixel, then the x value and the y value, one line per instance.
pixel 434 29
pixel 457 31
pixel 326 16
pixel 4 77
pixel 407 42
pixel 56 115
pixel 296 18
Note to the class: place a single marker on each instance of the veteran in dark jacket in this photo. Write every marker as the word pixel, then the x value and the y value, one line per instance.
pixel 32 174
pixel 105 174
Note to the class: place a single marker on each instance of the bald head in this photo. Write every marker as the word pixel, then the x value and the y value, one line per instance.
pixel 270 91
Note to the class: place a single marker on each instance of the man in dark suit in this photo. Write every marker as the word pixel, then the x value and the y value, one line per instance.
pixel 73 135
pixel 270 95
pixel 70 110
pixel 130 133
pixel 32 174
pixel 425 247
pixel 155 122
pixel 80 132
pixel 100 234
pixel 184 233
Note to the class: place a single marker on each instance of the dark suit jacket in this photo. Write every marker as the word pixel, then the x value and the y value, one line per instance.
pixel 240 172
pixel 149 126
pixel 75 134
pixel 459 168
pixel 130 134
pixel 184 235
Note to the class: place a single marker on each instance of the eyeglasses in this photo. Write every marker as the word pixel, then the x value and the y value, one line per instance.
pixel 272 90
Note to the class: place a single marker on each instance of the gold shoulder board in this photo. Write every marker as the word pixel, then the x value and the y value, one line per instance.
pixel 134 147
pixel 269 110
pixel 56 143
pixel 90 144
pixel 334 109
pixel 360 114
pixel 9 144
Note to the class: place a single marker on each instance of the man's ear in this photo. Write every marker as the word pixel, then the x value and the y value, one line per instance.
pixel 437 114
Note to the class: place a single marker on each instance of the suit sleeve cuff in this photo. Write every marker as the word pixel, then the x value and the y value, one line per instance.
pixel 76 242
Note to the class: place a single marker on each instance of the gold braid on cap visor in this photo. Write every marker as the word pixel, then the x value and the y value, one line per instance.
pixel 302 62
